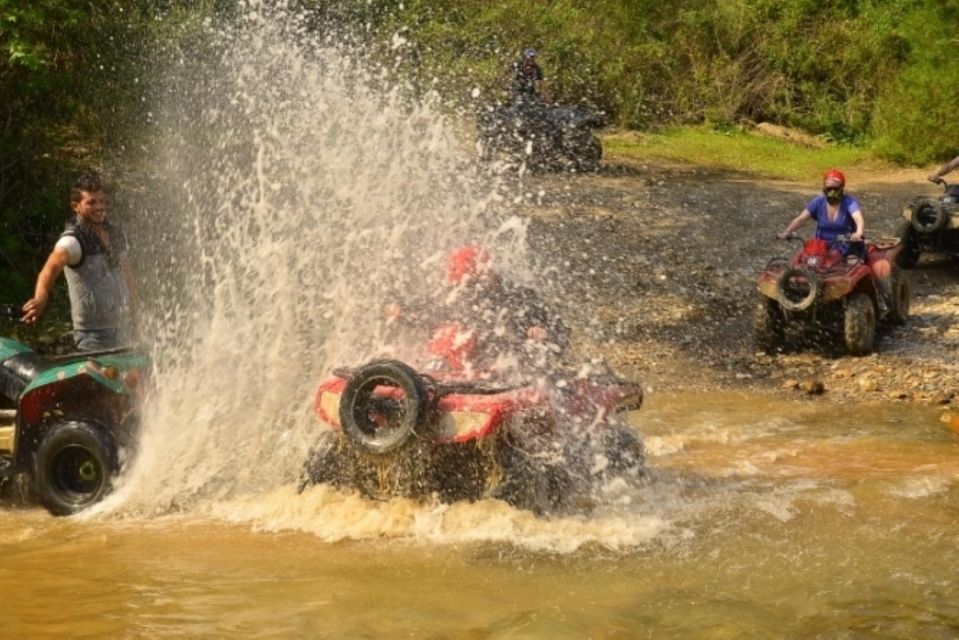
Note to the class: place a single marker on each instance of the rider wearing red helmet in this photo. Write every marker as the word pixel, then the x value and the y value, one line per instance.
pixel 836 214
pixel 506 318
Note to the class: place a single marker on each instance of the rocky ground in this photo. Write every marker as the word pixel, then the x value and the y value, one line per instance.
pixel 659 266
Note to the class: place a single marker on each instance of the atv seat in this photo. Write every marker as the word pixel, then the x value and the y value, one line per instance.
pixel 19 371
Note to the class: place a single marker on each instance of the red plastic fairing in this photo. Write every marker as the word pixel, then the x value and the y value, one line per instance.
pixel 31 405
pixel 333 386
pixel 497 408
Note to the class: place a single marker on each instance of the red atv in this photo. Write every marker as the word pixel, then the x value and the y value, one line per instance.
pixel 820 290
pixel 458 434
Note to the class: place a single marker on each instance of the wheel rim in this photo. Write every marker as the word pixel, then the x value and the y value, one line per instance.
pixel 384 422
pixel 76 474
pixel 798 289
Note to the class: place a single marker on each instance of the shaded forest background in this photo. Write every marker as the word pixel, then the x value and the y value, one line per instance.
pixel 882 74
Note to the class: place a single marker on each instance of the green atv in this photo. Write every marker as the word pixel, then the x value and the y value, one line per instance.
pixel 66 419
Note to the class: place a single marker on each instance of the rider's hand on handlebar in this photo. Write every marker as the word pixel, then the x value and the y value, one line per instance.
pixel 936 178
pixel 785 236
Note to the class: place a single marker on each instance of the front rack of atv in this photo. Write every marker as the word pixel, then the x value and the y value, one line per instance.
pixel 442 387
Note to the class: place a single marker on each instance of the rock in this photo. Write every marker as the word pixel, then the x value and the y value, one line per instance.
pixel 868 384
pixel 790 383
pixel 843 373
pixel 898 395
pixel 812 387
pixel 943 398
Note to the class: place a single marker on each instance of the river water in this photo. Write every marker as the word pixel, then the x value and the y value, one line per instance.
pixel 289 189
pixel 763 518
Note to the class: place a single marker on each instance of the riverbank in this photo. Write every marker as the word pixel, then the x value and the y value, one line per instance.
pixel 660 261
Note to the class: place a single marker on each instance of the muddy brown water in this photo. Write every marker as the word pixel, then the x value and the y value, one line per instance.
pixel 763 518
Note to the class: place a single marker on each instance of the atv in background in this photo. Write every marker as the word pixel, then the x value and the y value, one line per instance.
pixel 547 445
pixel 930 225
pixel 541 136
pixel 66 420
pixel 821 291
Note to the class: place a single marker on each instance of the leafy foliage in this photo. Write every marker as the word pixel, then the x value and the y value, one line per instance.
pixel 870 72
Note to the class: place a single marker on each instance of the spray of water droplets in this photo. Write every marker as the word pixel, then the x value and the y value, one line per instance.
pixel 299 188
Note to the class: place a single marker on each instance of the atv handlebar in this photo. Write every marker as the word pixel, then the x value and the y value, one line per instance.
pixel 838 239
pixel 945 185
pixel 792 237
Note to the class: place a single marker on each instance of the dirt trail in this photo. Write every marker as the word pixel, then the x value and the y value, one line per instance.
pixel 659 265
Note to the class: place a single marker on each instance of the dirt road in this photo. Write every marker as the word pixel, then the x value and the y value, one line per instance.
pixel 658 269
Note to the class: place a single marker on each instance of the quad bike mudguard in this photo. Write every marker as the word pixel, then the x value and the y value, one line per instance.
pixel 830 280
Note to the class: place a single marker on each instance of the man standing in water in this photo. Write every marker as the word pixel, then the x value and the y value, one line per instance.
pixel 92 251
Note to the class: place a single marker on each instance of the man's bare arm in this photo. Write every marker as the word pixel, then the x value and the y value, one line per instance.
pixel 34 307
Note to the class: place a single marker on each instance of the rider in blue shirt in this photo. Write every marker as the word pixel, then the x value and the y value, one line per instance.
pixel 836 214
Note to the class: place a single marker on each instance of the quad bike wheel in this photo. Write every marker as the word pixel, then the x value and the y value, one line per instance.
pixel 929 217
pixel 75 464
pixel 901 296
pixel 798 289
pixel 584 150
pixel 530 482
pixel 859 324
pixel 769 329
pixel 624 452
pixel 322 464
pixel 382 422
pixel 908 256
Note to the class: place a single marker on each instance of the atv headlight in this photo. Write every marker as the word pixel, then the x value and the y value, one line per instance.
pixel 461 423
pixel 330 406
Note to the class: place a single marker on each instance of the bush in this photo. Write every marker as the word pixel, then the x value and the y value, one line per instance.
pixel 915 117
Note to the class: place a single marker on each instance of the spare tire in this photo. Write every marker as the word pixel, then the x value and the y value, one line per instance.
pixel 798 289
pixel 929 217
pixel 383 406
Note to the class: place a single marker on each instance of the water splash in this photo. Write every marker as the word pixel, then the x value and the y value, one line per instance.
pixel 300 188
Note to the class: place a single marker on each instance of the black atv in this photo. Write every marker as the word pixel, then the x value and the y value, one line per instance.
pixel 931 225
pixel 541 136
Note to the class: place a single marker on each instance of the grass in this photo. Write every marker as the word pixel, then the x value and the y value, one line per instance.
pixel 739 150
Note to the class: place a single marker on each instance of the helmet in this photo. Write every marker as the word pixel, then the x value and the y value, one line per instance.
pixel 467 261
pixel 834 176
pixel 529 53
